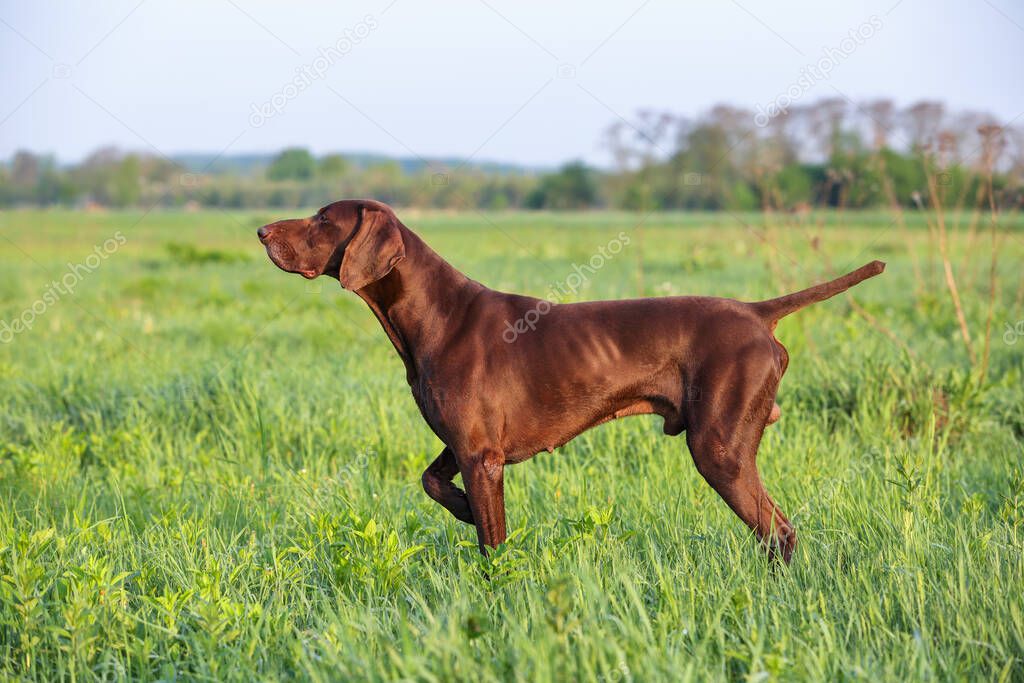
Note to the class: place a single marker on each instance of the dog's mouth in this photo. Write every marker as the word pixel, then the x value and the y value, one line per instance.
pixel 282 256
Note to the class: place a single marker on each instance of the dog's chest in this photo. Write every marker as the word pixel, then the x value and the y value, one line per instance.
pixel 433 401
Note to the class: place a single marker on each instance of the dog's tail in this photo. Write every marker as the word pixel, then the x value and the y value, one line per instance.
pixel 776 309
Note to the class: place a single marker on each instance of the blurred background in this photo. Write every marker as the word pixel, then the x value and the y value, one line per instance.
pixel 493 105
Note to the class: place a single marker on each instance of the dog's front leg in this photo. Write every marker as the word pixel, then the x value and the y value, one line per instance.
pixel 484 476
pixel 437 482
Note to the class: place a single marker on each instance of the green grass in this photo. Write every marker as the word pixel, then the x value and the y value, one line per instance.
pixel 209 469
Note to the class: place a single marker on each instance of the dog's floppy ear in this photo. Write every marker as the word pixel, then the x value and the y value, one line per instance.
pixel 374 250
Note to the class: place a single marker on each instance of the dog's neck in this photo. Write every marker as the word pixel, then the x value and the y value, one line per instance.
pixel 421 300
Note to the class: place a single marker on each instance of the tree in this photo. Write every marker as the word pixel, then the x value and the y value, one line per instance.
pixel 124 186
pixel 25 169
pixel 571 187
pixel 825 119
pixel 292 164
pixel 882 117
pixel 333 166
pixel 922 121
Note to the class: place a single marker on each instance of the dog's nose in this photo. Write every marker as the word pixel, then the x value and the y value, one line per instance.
pixel 262 233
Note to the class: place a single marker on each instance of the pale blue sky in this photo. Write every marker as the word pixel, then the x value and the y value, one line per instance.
pixel 467 76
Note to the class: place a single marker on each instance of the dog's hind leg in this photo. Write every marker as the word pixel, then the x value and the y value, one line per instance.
pixel 724 433
pixel 437 482
pixel 727 462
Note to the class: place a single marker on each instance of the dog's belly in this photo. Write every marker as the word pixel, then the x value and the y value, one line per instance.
pixel 548 435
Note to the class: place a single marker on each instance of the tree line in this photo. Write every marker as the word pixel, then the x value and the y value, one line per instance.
pixel 830 153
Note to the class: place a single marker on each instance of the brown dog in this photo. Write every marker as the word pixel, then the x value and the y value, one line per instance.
pixel 706 365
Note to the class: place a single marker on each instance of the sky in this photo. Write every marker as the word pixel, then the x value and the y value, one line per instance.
pixel 527 82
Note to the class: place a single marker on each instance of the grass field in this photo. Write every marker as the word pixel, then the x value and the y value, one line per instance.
pixel 210 469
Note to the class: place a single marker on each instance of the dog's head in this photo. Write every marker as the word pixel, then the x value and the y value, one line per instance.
pixel 357 241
